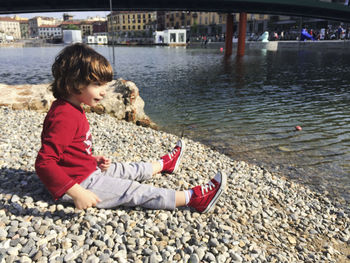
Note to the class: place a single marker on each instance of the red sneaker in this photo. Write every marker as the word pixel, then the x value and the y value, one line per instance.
pixel 172 160
pixel 205 197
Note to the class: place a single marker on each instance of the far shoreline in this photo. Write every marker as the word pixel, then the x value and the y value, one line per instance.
pixel 270 46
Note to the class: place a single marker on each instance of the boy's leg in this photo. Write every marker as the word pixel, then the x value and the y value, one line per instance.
pixel 131 171
pixel 121 192
pixel 124 192
pixel 141 171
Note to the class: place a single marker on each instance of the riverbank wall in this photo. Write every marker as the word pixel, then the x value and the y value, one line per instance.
pixel 271 45
pixel 281 45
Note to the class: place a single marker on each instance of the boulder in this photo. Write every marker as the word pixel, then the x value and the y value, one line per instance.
pixel 122 100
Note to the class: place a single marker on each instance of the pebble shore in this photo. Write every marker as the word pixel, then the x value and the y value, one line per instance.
pixel 260 218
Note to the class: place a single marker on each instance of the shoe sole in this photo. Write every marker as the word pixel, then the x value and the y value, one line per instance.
pixel 180 157
pixel 218 194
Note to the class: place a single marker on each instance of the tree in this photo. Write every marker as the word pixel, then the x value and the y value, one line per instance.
pixel 72 27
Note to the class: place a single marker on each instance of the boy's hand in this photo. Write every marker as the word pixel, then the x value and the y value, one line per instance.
pixel 102 162
pixel 83 198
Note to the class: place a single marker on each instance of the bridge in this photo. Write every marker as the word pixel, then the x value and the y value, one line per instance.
pixel 307 8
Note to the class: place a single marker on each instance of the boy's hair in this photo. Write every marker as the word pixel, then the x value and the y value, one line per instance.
pixel 77 66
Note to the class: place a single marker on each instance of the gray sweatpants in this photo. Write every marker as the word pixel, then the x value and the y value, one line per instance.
pixel 118 186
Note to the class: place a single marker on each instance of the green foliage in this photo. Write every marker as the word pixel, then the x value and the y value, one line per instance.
pixel 72 27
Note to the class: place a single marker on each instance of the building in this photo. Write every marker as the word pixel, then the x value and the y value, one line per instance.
pixel 171 37
pixel 160 21
pixel 86 28
pixel 50 32
pixel 178 19
pixel 96 39
pixel 132 23
pixel 208 23
pixel 99 27
pixel 36 22
pixel 96 19
pixel 24 26
pixel 10 28
pixel 256 23
pixel 72 36
pixel 67 17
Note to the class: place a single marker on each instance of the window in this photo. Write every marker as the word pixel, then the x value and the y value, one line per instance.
pixel 172 37
pixel 181 37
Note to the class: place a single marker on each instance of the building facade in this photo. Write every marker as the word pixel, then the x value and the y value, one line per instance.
pixel 36 22
pixel 131 23
pixel 24 26
pixel 178 19
pixel 86 28
pixel 99 27
pixel 10 28
pixel 50 32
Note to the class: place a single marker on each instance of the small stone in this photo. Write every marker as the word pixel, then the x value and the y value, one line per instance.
pixel 236 257
pixel 25 259
pixel 194 259
pixel 292 240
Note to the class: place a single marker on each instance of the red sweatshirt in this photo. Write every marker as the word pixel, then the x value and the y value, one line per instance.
pixel 65 157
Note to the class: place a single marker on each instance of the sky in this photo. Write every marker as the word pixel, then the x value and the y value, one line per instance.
pixel 76 15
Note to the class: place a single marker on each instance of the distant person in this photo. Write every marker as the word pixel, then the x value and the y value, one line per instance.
pixel 204 40
pixel 66 164
pixel 339 32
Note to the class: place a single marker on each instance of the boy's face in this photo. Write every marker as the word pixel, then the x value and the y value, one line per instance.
pixel 91 95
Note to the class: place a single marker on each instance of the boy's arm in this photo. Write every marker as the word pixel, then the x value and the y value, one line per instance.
pixel 58 134
pixel 82 198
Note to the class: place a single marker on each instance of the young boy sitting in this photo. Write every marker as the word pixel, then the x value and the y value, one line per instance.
pixel 69 170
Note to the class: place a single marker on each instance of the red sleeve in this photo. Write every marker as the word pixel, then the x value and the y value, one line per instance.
pixel 58 133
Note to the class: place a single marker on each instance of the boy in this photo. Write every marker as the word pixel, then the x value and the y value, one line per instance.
pixel 65 163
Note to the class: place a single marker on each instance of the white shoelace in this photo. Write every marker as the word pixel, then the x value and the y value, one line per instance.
pixel 172 154
pixel 206 188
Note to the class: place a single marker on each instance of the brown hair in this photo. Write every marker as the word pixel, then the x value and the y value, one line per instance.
pixel 77 66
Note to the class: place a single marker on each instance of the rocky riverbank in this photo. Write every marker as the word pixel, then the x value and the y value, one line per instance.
pixel 260 218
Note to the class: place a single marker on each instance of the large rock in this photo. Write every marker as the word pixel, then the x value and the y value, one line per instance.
pixel 121 101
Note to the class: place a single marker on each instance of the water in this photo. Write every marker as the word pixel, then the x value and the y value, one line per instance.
pixel 246 108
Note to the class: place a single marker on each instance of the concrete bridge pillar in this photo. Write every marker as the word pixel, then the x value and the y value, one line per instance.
pixel 229 35
pixel 242 34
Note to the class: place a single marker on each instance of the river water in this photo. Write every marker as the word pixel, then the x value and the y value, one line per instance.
pixel 247 108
